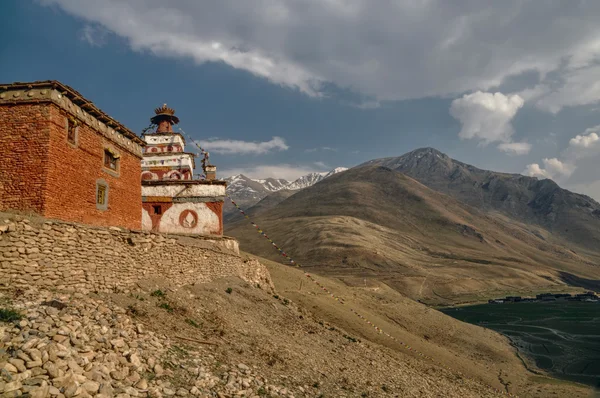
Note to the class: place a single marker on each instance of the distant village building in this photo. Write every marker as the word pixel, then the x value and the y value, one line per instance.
pixel 63 158
pixel 172 201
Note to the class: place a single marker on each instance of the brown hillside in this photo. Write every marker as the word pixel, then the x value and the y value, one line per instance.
pixel 229 338
pixel 376 222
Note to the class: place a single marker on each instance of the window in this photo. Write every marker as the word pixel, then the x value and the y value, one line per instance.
pixel 101 197
pixel 101 194
pixel 111 159
pixel 72 130
pixel 157 209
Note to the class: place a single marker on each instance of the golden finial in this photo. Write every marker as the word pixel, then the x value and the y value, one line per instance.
pixel 164 110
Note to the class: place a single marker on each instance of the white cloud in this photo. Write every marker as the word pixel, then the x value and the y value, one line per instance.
pixel 230 147
pixel 323 148
pixel 534 170
pixel 515 148
pixel 576 86
pixel 396 50
pixel 585 141
pixel 584 145
pixel 94 35
pixel 486 116
pixel 553 168
pixel 285 171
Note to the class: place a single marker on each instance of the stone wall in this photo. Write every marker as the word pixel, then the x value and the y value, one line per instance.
pixel 64 256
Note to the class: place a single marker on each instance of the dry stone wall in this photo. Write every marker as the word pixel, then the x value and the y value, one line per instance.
pixel 74 257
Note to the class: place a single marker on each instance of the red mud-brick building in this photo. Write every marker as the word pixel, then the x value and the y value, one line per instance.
pixel 63 158
pixel 172 201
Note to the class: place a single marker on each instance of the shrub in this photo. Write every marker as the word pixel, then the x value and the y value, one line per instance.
pixel 228 290
pixel 158 293
pixel 10 315
pixel 166 306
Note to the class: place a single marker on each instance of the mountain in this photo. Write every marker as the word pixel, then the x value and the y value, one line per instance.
pixel 247 192
pixel 375 222
pixel 569 215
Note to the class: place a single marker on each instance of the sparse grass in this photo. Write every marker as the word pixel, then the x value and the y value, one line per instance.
pixel 228 290
pixel 10 315
pixel 192 322
pixel 158 293
pixel 166 306
pixel 286 301
pixel 261 391
pixel 276 297
pixel 352 339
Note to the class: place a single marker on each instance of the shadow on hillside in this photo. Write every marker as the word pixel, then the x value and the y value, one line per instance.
pixel 573 280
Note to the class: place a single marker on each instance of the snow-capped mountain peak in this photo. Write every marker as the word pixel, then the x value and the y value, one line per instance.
pixel 249 191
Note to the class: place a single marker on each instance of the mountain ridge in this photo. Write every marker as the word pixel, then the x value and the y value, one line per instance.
pixel 373 221
pixel 541 202
pixel 248 191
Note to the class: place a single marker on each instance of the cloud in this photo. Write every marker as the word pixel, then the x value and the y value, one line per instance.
pixel 515 148
pixel 584 145
pixel 575 86
pixel 486 117
pixel 323 148
pixel 94 35
pixel 553 168
pixel 231 147
pixel 397 50
pixel 286 171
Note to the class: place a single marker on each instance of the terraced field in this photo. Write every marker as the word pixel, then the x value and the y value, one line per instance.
pixel 562 338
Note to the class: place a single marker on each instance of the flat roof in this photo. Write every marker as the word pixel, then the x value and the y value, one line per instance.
pixel 79 100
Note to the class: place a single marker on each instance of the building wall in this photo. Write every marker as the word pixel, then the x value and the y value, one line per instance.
pixel 82 258
pixel 74 170
pixel 185 190
pixel 204 218
pixel 24 144
pixel 192 208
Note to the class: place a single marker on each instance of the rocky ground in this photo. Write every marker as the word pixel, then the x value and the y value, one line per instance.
pixel 223 339
pixel 76 346
pixel 149 344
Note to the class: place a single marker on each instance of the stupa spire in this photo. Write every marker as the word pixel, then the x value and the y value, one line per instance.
pixel 164 118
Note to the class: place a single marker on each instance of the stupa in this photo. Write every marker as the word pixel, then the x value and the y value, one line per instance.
pixel 172 200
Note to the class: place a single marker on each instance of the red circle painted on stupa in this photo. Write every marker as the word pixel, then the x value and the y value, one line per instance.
pixel 188 219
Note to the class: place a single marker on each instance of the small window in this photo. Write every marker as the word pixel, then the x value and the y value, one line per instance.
pixel 111 160
pixel 72 130
pixel 101 194
pixel 101 197
pixel 157 209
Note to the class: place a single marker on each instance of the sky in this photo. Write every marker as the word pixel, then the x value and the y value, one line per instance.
pixel 280 88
